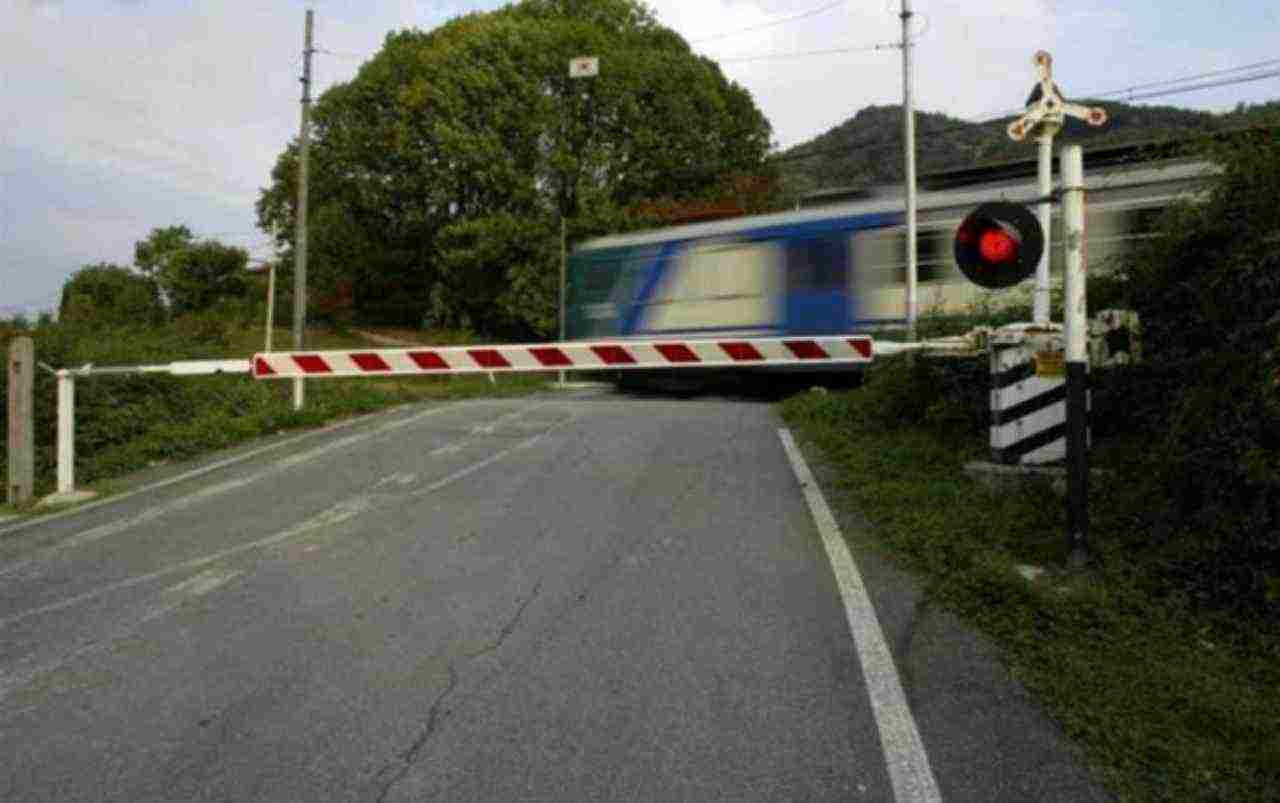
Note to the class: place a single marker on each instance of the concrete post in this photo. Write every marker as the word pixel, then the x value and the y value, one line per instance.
pixel 21 421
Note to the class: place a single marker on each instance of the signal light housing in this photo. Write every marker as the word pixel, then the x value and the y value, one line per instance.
pixel 999 244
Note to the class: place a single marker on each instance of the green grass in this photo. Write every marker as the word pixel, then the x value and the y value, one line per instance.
pixel 1169 703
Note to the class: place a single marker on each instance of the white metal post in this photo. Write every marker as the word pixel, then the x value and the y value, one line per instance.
pixel 1046 111
pixel 66 432
pixel 1075 313
pixel 579 67
pixel 1040 312
pixel 1075 320
pixel 271 303
pixel 563 274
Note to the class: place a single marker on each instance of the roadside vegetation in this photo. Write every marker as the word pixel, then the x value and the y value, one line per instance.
pixel 1162 657
pixel 127 423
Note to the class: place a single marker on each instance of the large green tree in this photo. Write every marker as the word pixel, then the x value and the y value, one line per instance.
pixel 441 170
pixel 193 274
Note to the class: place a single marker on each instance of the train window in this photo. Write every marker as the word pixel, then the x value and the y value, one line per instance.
pixel 719 270
pixel 818 263
pixel 932 254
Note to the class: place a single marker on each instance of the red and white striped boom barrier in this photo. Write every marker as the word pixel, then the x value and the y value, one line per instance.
pixel 576 356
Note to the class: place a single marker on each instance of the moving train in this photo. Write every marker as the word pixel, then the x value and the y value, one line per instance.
pixel 841 267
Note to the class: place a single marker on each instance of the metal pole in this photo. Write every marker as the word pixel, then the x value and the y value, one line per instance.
pixel 1074 316
pixel 300 232
pixel 271 303
pixel 21 441
pixel 66 432
pixel 563 273
pixel 1041 314
pixel 909 155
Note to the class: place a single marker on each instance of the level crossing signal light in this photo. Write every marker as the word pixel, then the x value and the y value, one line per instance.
pixel 999 244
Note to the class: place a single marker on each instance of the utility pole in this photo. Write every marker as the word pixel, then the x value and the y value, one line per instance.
pixel 300 232
pixel 579 67
pixel 909 169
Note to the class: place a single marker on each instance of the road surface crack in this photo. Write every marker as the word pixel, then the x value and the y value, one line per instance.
pixel 409 757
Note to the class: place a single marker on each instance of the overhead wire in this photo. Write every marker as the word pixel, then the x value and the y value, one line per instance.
pixel 813 12
pixel 805 53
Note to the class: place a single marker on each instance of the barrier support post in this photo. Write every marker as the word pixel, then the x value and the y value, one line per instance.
pixel 1075 321
pixel 66 432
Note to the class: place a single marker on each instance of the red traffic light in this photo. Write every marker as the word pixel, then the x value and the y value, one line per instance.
pixel 996 246
pixel 999 244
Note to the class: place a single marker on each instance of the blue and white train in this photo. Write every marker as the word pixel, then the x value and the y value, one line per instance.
pixel 836 269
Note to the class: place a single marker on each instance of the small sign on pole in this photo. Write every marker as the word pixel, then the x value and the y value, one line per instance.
pixel 584 67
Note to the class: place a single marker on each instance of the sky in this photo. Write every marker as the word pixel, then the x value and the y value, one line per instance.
pixel 120 116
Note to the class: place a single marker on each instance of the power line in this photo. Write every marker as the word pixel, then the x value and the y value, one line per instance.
pixel 1213 74
pixel 805 53
pixel 1208 85
pixel 813 12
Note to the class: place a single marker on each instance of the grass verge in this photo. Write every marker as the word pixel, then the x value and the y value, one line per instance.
pixel 1169 703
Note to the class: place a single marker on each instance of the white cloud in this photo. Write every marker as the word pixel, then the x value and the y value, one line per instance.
pixel 151 112
pixel 960 67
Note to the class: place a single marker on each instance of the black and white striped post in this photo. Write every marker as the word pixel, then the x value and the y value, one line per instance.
pixel 1028 395
pixel 1075 320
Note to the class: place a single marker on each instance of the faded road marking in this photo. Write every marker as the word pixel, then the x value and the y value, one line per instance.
pixel 904 752
pixel 29 567
pixel 331 516
pixel 173 598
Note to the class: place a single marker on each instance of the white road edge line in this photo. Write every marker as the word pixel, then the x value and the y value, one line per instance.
pixel 904 752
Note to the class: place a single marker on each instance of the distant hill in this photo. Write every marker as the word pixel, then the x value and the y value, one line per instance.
pixel 866 149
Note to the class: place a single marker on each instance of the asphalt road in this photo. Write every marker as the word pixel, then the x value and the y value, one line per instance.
pixel 561 598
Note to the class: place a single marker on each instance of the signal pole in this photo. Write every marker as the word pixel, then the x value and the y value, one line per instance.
pixel 909 169
pixel 1046 112
pixel 1075 319
pixel 300 233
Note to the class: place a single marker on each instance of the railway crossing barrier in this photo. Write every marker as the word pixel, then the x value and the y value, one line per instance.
pixel 577 356
pixel 809 352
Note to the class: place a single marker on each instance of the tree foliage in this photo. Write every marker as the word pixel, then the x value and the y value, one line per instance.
pixel 475 129
pixel 110 295
pixel 1208 293
pixel 193 275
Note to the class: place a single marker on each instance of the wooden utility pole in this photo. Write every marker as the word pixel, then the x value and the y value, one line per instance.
pixel 22 366
pixel 909 170
pixel 300 232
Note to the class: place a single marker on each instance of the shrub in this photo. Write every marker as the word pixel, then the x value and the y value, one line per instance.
pixel 109 295
pixel 1208 292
